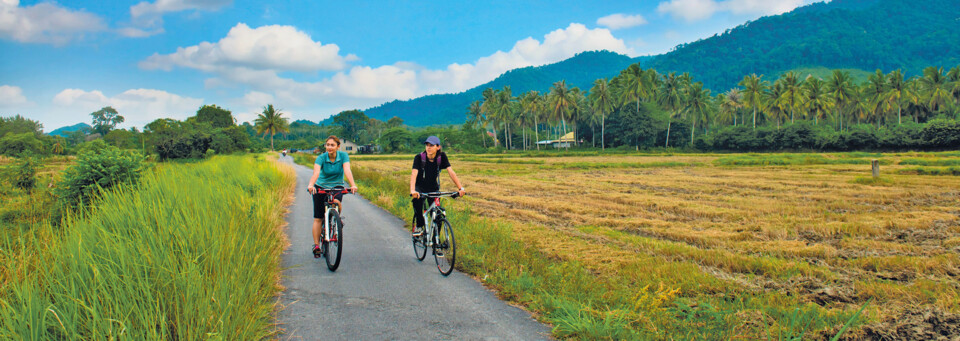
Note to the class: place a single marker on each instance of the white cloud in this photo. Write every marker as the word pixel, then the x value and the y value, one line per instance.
pixel 361 86
pixel 694 10
pixel 147 17
pixel 276 48
pixel 160 7
pixel 45 23
pixel 763 7
pixel 689 10
pixel 619 21
pixel 137 106
pixel 11 96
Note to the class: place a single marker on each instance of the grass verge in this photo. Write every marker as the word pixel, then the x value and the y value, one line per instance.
pixel 192 253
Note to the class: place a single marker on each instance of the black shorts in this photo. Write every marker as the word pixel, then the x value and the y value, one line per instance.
pixel 319 200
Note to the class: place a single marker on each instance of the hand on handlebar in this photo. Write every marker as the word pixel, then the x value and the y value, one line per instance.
pixel 311 190
pixel 415 194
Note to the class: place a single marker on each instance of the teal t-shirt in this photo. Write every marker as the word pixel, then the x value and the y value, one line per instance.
pixel 331 173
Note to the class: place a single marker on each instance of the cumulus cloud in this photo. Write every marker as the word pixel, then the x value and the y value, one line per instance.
pixel 694 10
pixel 11 96
pixel 137 106
pixel 275 47
pixel 619 21
pixel 45 23
pixel 251 64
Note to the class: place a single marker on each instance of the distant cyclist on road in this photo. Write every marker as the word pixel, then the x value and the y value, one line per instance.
pixel 329 170
pixel 425 177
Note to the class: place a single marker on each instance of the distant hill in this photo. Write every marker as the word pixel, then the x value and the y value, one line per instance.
pixel 857 35
pixel 305 122
pixel 62 131
pixel 580 71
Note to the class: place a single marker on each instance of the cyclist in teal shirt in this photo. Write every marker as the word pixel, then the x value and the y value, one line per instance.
pixel 328 171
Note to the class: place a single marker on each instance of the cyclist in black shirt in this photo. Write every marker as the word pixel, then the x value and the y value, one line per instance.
pixel 426 177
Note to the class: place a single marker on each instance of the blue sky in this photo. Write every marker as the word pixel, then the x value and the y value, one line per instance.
pixel 165 58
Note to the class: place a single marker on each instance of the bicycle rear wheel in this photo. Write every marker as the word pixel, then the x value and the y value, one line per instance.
pixel 445 249
pixel 334 246
pixel 419 243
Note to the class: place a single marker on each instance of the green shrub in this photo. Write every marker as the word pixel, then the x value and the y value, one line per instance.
pixel 24 173
pixel 98 169
pixel 942 134
pixel 15 144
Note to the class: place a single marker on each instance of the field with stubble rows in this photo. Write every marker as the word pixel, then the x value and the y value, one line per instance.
pixel 711 245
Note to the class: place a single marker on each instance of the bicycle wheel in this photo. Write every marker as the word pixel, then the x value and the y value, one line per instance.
pixel 335 245
pixel 419 243
pixel 445 248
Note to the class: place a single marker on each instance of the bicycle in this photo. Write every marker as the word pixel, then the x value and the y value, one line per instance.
pixel 331 236
pixel 438 235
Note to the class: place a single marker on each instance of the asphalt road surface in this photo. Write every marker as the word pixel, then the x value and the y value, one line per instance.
pixel 380 291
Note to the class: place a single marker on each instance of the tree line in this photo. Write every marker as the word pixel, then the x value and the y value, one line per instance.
pixel 644 108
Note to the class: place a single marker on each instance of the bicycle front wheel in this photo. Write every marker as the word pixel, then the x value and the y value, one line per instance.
pixel 419 243
pixel 445 248
pixel 335 245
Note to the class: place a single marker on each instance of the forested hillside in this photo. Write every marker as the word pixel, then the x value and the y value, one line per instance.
pixel 580 71
pixel 842 34
pixel 858 34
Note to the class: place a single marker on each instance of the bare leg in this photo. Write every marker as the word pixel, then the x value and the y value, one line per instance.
pixel 317 226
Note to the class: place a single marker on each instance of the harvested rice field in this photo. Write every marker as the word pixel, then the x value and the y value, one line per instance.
pixel 793 229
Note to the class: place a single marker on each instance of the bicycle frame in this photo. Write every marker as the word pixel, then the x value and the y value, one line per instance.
pixel 329 205
pixel 434 211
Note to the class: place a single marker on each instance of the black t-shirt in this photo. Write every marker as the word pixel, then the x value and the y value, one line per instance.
pixel 428 179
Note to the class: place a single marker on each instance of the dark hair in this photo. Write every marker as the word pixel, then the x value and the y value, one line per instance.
pixel 334 138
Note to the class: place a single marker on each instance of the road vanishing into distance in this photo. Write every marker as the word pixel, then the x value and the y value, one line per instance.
pixel 380 291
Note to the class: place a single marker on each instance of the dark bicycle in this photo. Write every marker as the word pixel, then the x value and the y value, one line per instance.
pixel 331 236
pixel 438 234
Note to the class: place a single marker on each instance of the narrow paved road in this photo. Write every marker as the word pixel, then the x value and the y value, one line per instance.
pixel 380 290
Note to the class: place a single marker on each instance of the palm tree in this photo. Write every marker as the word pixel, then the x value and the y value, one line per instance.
pixel 671 99
pixel 953 77
pixel 914 99
pixel 271 121
pixel 791 92
pixel 476 115
pixel 533 104
pixel 698 101
pixel 933 86
pixel 487 108
pixel 859 103
pixel 504 111
pixel 730 105
pixel 776 103
pixel 840 89
pixel 815 98
pixel 875 95
pixel 601 100
pixel 896 92
pixel 562 102
pixel 754 87
pixel 633 85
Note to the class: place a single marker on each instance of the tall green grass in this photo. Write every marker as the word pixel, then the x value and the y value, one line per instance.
pixel 192 253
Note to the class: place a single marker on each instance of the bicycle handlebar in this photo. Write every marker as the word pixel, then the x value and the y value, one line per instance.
pixel 439 194
pixel 335 190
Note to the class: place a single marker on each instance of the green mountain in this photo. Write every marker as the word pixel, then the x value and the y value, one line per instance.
pixel 858 35
pixel 580 71
pixel 62 131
